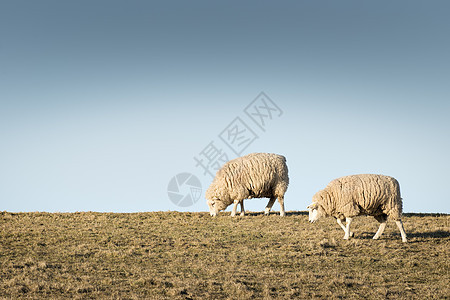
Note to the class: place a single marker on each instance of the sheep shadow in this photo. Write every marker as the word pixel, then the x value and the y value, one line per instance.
pixel 297 213
pixel 439 234
pixel 275 213
pixel 305 213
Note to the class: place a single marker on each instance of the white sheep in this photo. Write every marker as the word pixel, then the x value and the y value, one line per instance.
pixel 256 175
pixel 366 194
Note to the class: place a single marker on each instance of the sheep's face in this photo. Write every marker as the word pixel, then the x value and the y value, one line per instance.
pixel 315 212
pixel 212 209
pixel 215 205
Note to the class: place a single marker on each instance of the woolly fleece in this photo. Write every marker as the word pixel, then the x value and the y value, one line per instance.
pixel 365 194
pixel 256 175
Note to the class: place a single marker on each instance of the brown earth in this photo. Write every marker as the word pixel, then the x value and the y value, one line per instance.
pixel 173 255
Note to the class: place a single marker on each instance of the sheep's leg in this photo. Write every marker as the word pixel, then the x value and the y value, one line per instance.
pixel 340 223
pixel 382 219
pixel 343 226
pixel 281 201
pixel 235 204
pixel 242 208
pixel 402 230
pixel 269 205
pixel 379 231
pixel 348 221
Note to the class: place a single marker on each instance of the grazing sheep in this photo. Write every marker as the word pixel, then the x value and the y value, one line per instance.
pixel 355 195
pixel 256 175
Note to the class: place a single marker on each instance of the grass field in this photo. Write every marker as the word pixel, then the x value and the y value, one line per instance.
pixel 172 255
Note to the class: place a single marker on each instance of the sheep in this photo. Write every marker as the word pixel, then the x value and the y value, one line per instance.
pixel 256 175
pixel 354 195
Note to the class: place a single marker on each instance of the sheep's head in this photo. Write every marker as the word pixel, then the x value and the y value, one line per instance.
pixel 315 209
pixel 212 209
pixel 315 212
pixel 217 197
pixel 215 205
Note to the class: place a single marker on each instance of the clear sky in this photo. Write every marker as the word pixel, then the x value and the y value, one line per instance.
pixel 102 103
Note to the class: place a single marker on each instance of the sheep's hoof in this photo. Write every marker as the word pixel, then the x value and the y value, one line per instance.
pixel 352 234
pixel 242 214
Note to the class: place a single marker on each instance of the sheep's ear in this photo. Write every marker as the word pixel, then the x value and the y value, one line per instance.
pixel 313 206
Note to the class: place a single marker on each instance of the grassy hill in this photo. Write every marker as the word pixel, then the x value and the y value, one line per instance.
pixel 172 255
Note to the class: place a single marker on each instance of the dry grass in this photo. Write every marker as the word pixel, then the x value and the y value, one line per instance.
pixel 171 255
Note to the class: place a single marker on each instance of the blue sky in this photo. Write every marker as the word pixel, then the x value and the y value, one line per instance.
pixel 102 103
